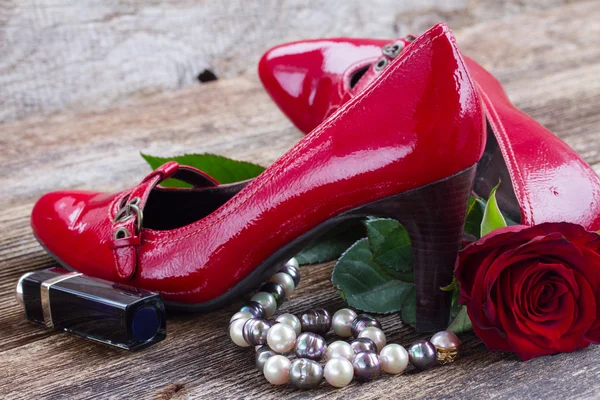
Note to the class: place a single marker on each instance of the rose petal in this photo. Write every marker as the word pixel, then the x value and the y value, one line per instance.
pixel 586 310
pixel 593 278
pixel 467 273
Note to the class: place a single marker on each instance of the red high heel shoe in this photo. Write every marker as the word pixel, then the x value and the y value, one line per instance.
pixel 543 179
pixel 405 148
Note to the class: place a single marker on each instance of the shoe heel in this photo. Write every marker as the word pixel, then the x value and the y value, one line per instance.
pixel 434 217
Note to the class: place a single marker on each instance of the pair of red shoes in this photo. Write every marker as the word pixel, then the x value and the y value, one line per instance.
pixel 400 133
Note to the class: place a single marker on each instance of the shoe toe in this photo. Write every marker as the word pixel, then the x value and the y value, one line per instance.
pixel 56 219
pixel 306 79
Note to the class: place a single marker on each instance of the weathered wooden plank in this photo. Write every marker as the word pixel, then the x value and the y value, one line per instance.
pixel 197 361
pixel 77 54
pixel 98 149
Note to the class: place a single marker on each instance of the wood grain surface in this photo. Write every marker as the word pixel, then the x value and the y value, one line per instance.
pixel 547 54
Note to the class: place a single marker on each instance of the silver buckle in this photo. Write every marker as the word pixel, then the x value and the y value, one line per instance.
pixel 127 212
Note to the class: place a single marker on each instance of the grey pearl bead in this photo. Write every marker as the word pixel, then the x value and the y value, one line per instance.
pixel 292 271
pixel 310 345
pixel 422 354
pixel 255 331
pixel 262 355
pixel 367 366
pixel 276 290
pixel 363 321
pixel 306 374
pixel 317 321
pixel 254 308
pixel 363 345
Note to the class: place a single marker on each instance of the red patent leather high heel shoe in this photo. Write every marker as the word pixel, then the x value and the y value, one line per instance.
pixel 405 148
pixel 543 179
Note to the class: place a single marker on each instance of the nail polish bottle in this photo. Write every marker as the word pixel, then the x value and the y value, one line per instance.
pixel 96 309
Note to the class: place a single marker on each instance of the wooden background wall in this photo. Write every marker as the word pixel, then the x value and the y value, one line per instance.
pixel 81 54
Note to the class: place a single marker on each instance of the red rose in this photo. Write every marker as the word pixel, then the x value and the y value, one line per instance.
pixel 533 290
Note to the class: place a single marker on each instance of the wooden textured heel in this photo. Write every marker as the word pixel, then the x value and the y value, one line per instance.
pixel 434 216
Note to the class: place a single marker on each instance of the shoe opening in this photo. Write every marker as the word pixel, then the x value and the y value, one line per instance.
pixel 359 73
pixel 492 169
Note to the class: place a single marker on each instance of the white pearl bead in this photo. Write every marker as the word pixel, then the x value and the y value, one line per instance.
pixel 285 281
pixel 376 335
pixel 267 301
pixel 342 322
pixel 338 372
pixel 281 338
pixel 394 358
pixel 241 314
pixel 341 349
pixel 291 320
pixel 236 332
pixel 277 370
pixel 293 262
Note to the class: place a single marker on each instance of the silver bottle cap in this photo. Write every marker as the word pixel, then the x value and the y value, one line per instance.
pixel 19 288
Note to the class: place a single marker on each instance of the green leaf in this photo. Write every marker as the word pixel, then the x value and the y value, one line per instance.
pixel 451 287
pixel 409 308
pixel 366 285
pixel 475 211
pixel 456 306
pixel 492 217
pixel 390 244
pixel 396 251
pixel 408 276
pixel 333 243
pixel 223 169
pixel 461 322
pixel 378 229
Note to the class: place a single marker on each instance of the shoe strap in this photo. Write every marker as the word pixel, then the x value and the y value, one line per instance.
pixel 128 221
pixel 184 173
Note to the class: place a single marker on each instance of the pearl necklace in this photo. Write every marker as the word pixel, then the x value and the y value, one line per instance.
pixel 363 358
